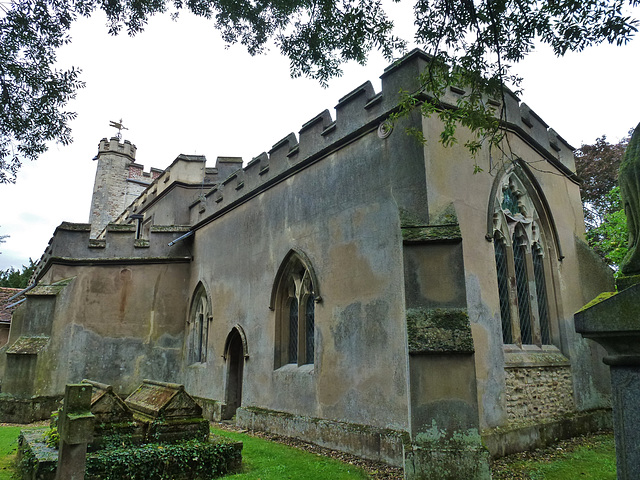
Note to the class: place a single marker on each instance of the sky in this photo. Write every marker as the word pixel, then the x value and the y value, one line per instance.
pixel 178 89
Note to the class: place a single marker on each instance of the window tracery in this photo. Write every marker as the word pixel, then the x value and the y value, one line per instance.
pixel 295 309
pixel 198 335
pixel 520 265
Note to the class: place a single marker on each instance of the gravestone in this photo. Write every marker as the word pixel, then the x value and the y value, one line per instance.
pixel 168 411
pixel 113 418
pixel 75 427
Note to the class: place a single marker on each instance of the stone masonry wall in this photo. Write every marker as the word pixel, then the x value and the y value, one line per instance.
pixel 538 393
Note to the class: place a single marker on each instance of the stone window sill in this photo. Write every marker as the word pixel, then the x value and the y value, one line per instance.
pixel 534 356
pixel 293 367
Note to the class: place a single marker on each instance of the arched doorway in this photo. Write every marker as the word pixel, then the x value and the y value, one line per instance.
pixel 235 354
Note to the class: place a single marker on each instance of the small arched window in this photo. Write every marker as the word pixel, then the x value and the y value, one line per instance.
pixel 198 331
pixel 520 265
pixel 293 299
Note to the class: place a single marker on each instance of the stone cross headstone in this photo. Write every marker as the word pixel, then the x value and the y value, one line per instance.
pixel 75 427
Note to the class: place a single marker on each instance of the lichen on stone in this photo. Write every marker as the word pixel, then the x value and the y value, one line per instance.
pixel 439 331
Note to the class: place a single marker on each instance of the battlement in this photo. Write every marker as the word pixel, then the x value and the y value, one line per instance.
pixel 113 145
pixel 136 173
pixel 361 112
pixel 71 245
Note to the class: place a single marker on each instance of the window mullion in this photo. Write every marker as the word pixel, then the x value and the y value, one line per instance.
pixel 533 299
pixel 302 345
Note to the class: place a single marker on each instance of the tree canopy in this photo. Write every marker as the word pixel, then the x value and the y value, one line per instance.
pixel 597 166
pixel 473 42
pixel 15 278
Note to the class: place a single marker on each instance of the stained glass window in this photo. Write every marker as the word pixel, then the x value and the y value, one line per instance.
pixel 510 201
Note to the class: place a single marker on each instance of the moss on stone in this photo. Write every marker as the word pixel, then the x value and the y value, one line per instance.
pixel 53 289
pixel 28 345
pixel 600 298
pixel 625 281
pixel 431 233
pixel 121 227
pixel 170 228
pixel 439 331
pixel 95 243
pixel 75 227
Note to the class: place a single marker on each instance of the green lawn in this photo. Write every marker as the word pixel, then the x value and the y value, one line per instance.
pixel 8 447
pixel 596 461
pixel 265 460
pixel 593 459
pixel 262 459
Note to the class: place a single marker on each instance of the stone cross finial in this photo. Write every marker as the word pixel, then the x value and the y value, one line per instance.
pixel 629 179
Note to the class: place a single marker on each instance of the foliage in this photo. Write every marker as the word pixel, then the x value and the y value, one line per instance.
pixel 194 459
pixel 3 238
pixel 597 166
pixel 33 93
pixel 51 436
pixel 473 44
pixel 13 278
pixel 609 238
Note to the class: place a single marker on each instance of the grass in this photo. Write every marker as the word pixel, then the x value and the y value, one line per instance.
pixel 265 460
pixel 8 448
pixel 590 459
pixel 590 462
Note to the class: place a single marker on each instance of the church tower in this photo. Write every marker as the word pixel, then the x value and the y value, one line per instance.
pixel 116 185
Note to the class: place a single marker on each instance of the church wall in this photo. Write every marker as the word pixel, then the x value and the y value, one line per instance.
pixel 116 324
pixel 504 376
pixel 341 213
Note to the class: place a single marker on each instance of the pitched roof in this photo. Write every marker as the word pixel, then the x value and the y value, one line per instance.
pixel 5 294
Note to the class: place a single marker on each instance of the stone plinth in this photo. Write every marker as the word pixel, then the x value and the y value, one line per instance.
pixel 613 320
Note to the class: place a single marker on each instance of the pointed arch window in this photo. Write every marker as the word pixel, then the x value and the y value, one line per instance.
pixel 198 331
pixel 521 266
pixel 294 298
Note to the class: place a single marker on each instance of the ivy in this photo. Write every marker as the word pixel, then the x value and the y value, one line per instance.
pixel 188 460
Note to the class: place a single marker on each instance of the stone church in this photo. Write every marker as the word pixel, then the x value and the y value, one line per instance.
pixel 351 287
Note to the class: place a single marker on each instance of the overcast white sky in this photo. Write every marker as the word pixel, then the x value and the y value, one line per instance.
pixel 178 90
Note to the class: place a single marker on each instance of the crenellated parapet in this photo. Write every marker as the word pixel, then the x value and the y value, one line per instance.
pixel 360 112
pixel 113 145
pixel 72 244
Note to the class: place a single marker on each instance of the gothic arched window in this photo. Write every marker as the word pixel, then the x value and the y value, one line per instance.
pixel 198 331
pixel 294 299
pixel 520 265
